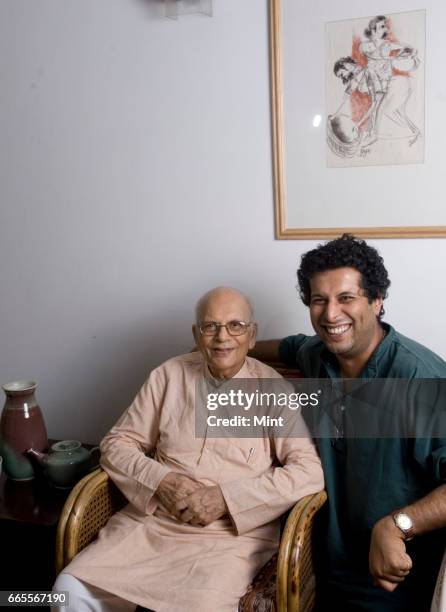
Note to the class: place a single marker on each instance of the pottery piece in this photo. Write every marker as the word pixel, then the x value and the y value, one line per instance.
pixel 21 427
pixel 67 462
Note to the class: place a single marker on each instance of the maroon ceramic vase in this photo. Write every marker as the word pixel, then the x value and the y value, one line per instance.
pixel 21 427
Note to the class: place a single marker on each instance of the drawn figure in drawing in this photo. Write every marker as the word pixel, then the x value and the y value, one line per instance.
pixel 378 86
pixel 346 127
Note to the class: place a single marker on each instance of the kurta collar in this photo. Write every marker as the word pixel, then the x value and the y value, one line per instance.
pixel 242 373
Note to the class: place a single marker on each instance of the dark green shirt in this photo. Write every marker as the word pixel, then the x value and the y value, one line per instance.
pixel 368 478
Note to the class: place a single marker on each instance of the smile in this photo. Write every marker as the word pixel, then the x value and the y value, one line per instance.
pixel 338 330
pixel 222 351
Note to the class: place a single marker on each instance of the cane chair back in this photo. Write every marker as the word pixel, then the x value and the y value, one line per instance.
pixel 296 579
pixel 88 508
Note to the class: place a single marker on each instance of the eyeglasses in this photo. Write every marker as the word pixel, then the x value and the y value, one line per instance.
pixel 234 328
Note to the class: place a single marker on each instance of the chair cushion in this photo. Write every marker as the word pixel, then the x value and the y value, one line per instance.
pixel 261 594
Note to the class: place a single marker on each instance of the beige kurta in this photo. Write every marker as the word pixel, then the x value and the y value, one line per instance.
pixel 148 557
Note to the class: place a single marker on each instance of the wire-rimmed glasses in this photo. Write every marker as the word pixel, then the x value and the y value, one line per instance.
pixel 234 328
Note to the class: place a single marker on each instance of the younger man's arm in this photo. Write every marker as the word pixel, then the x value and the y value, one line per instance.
pixel 266 350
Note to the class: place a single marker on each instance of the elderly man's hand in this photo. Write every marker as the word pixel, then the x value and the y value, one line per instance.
pixel 202 507
pixel 389 563
pixel 175 487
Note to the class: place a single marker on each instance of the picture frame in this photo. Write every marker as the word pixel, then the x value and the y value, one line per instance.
pixel 393 200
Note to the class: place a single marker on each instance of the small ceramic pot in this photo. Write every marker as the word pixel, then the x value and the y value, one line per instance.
pixel 67 462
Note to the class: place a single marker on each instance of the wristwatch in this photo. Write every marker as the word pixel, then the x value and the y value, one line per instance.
pixel 404 524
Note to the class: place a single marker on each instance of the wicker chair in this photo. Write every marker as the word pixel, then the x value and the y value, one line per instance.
pixel 286 583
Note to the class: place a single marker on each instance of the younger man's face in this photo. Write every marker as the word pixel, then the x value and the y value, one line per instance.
pixel 341 314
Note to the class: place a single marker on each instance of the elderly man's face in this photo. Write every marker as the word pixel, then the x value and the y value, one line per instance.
pixel 225 354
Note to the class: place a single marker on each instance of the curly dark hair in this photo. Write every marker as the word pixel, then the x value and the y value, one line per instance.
pixel 345 252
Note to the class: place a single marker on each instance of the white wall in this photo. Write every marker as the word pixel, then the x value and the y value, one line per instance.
pixel 135 173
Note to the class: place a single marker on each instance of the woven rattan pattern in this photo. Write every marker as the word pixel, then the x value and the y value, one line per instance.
pixel 92 507
pixel 307 578
pixel 96 514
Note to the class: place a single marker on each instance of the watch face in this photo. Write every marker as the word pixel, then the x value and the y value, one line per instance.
pixel 404 522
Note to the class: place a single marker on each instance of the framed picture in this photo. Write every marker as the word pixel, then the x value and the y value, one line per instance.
pixel 358 119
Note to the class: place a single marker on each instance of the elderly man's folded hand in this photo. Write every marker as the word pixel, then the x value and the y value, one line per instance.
pixel 202 507
pixel 173 488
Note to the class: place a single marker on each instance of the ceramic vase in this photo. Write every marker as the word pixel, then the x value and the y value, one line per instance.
pixel 21 427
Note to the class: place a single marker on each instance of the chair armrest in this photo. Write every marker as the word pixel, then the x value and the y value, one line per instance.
pixel 295 571
pixel 89 506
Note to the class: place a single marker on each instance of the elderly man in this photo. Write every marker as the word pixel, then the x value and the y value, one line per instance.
pixel 202 514
pixel 387 498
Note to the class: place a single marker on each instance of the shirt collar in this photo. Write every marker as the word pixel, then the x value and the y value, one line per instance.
pixel 373 366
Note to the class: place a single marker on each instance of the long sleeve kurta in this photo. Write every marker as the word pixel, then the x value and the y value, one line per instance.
pixel 147 556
